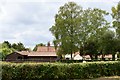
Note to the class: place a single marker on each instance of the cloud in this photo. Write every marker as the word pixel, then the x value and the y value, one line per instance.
pixel 61 0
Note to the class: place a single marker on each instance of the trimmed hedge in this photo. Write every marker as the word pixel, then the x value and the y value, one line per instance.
pixel 32 71
pixel 70 61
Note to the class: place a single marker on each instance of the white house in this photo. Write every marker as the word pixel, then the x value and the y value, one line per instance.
pixel 75 56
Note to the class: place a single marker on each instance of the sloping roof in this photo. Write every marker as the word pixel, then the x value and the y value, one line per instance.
pixel 87 56
pixel 42 54
pixel 78 57
pixel 23 52
pixel 41 51
pixel 37 53
pixel 45 49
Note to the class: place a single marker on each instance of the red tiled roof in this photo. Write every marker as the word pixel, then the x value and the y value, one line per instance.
pixel 45 49
pixel 41 51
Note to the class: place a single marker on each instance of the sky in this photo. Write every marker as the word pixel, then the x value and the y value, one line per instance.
pixel 28 21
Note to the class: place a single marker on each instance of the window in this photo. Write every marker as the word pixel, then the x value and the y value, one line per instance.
pixel 19 57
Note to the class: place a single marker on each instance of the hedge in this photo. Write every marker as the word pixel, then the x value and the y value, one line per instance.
pixel 38 71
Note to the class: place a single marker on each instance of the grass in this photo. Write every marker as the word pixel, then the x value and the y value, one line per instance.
pixel 108 78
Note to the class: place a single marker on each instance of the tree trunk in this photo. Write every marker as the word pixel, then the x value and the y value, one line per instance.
pixel 91 57
pixel 96 57
pixel 103 57
pixel 71 56
pixel 113 57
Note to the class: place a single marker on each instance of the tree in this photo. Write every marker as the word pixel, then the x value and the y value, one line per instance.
pixel 4 52
pixel 35 48
pixel 90 48
pixel 19 46
pixel 92 26
pixel 116 19
pixel 108 43
pixel 116 24
pixel 6 44
pixel 66 27
pixel 5 49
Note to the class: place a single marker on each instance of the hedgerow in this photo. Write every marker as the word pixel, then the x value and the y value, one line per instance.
pixel 32 71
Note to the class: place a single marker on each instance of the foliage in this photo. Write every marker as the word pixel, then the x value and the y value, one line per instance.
pixel 116 19
pixel 93 22
pixel 76 29
pixel 116 25
pixel 4 52
pixel 90 48
pixel 92 26
pixel 7 48
pixel 66 27
pixel 18 46
pixel 32 71
pixel 108 43
pixel 5 44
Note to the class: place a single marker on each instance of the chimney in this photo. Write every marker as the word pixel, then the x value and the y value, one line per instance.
pixel 48 46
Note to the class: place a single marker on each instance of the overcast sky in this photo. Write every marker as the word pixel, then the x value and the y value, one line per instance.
pixel 28 21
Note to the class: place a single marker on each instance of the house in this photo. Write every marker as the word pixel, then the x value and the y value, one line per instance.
pixel 32 56
pixel 75 56
pixel 106 57
pixel 43 54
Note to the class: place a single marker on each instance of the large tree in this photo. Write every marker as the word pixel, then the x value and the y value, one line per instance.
pixel 108 43
pixel 116 24
pixel 116 19
pixel 76 28
pixel 66 27
pixel 92 26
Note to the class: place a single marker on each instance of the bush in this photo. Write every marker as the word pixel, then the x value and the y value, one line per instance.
pixel 70 61
pixel 32 71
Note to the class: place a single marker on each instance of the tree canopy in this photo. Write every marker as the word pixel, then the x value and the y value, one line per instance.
pixel 116 19
pixel 66 27
pixel 78 29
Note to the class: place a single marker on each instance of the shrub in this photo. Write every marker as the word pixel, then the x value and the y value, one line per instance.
pixel 32 71
pixel 70 61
